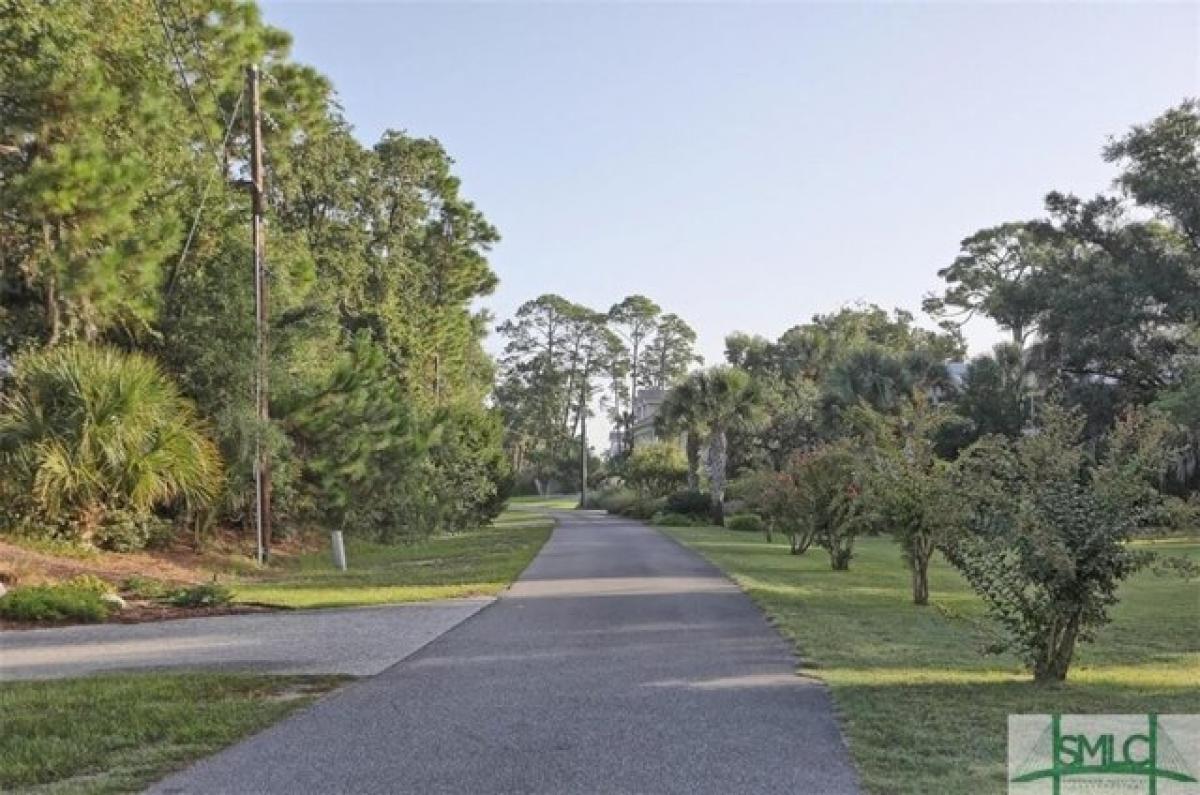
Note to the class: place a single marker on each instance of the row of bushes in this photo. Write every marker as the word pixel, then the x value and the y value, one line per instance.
pixel 681 509
pixel 90 599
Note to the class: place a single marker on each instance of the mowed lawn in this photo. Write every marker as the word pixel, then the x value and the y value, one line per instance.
pixel 109 734
pixel 478 562
pixel 923 706
pixel 555 502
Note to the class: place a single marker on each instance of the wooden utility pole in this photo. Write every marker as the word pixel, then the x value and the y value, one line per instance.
pixel 583 443
pixel 262 458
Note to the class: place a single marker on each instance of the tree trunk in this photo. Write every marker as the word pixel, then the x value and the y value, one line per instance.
pixel 692 445
pixel 717 455
pixel 840 554
pixel 53 322
pixel 921 553
pixel 920 581
pixel 799 542
pixel 1055 657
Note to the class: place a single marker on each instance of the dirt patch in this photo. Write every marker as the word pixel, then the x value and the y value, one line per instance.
pixel 225 557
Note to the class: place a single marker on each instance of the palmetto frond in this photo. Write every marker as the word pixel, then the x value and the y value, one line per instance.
pixel 91 427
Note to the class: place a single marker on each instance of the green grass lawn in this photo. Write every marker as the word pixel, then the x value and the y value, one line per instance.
pixel 923 708
pixel 119 733
pixel 555 502
pixel 475 563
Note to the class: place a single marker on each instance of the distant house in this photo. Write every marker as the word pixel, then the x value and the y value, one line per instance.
pixel 646 405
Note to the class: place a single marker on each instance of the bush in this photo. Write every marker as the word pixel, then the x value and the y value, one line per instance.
pixel 53 603
pixel 668 519
pixel 128 531
pixel 89 431
pixel 614 500
pixel 209 594
pixel 1046 525
pixel 146 588
pixel 90 583
pixel 644 508
pixel 656 469
pixel 689 503
pixel 746 523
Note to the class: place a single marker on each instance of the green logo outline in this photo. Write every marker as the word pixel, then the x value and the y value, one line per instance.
pixel 1148 767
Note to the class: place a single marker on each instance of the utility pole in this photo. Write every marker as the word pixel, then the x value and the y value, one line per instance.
pixel 262 459
pixel 583 443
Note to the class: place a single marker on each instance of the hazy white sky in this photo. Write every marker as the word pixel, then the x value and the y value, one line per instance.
pixel 749 164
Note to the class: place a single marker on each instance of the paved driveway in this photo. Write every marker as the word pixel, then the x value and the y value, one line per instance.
pixel 619 663
pixel 359 641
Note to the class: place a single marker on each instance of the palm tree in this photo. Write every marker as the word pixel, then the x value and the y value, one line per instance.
pixel 678 415
pixel 884 379
pixel 711 402
pixel 87 430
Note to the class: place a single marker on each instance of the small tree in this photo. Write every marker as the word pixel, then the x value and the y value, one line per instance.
pixel 657 469
pixel 908 490
pixel 824 497
pixel 1046 526
pixel 776 497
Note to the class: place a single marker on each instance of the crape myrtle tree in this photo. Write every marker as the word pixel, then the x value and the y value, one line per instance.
pixel 1045 526
pixel 823 496
pixel 907 490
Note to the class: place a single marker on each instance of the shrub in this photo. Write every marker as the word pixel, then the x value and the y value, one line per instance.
pixel 209 594
pixel 668 519
pixel 129 531
pixel 53 603
pixel 746 523
pixel 1045 529
pixel 86 431
pixel 614 500
pixel 644 508
pixel 656 469
pixel 90 583
pixel 689 503
pixel 822 497
pixel 145 588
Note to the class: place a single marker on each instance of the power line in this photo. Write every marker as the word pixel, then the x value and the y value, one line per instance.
pixel 204 194
pixel 183 76
pixel 203 63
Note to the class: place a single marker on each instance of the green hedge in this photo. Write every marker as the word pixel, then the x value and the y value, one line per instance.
pixel 53 603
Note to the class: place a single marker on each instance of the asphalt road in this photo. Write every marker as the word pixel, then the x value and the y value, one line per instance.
pixel 619 663
pixel 359 641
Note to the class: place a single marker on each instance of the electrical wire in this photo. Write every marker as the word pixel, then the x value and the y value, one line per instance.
pixel 186 84
pixel 203 63
pixel 219 169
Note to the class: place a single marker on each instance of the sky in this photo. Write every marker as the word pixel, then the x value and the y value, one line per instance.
pixel 747 165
